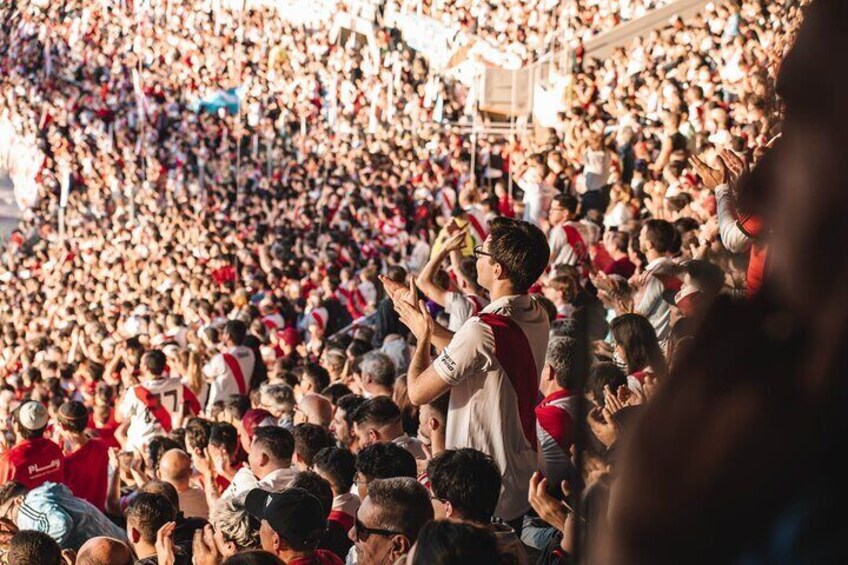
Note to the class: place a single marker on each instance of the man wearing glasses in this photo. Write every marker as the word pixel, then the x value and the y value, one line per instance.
pixel 491 366
pixel 389 520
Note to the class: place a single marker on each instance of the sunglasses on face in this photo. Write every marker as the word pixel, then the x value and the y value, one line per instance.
pixel 363 532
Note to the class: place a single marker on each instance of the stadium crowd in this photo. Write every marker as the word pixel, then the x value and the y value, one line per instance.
pixel 326 327
pixel 530 28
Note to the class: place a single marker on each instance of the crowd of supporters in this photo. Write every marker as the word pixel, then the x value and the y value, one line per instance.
pixel 530 28
pixel 326 327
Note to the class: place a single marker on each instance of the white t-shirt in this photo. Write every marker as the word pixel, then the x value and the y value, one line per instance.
pixel 412 444
pixel 222 382
pixel 537 198
pixel 596 166
pixel 460 307
pixel 649 300
pixel 143 424
pixel 245 481
pixel 483 412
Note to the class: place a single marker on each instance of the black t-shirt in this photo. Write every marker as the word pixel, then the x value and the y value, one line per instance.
pixel 184 532
pixel 678 142
pixel 336 540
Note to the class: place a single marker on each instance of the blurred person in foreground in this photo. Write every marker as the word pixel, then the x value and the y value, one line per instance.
pixel 445 542
pixel 53 510
pixel 718 468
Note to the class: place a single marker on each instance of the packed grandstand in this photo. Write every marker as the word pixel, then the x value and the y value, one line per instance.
pixel 294 283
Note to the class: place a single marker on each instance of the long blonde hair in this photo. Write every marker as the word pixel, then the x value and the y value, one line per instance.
pixel 194 371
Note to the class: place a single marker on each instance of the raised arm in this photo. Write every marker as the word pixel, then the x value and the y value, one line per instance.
pixel 426 279
pixel 732 237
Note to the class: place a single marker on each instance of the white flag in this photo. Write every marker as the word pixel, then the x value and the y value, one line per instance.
pixel 48 58
pixel 439 110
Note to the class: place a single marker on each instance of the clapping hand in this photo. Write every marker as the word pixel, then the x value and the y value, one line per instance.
pixel 396 291
pixel 165 544
pixel 735 165
pixel 602 425
pixel 710 176
pixel 549 509
pixel 204 549
pixel 415 315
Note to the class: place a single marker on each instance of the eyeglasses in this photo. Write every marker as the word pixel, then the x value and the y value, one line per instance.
pixel 478 252
pixel 363 532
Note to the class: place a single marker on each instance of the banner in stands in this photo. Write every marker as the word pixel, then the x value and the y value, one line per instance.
pixel 21 159
pixel 428 36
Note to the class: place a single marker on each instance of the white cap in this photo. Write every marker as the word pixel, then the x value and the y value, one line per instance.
pixel 32 415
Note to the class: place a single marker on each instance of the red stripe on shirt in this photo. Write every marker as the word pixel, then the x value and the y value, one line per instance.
pixel 235 369
pixel 513 352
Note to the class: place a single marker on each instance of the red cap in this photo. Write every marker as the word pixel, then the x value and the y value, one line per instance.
pixel 289 335
pixel 252 420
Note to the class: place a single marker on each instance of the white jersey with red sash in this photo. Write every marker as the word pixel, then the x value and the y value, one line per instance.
pixel 353 301
pixel 493 364
pixel 460 307
pixel 477 222
pixel 555 417
pixel 447 200
pixel 229 374
pixel 660 277
pixel 567 246
pixel 274 321
pixel 153 407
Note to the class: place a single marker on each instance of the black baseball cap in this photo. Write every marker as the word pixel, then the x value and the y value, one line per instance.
pixel 294 514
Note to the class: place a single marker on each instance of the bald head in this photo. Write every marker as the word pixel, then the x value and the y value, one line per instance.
pixel 104 551
pixel 318 410
pixel 175 467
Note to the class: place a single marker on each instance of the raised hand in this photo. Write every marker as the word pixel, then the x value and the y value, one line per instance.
pixel 546 506
pixel 396 291
pixel 165 544
pixel 735 165
pixel 710 176
pixel 417 318
pixel 612 402
pixel 603 426
pixel 204 549
pixel 455 242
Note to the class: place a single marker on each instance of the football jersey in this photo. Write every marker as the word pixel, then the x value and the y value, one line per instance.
pixel 152 408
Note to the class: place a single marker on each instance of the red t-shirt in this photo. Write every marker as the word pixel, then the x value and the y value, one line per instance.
pixel 622 267
pixel 106 434
pixel 86 472
pixel 33 463
pixel 752 226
